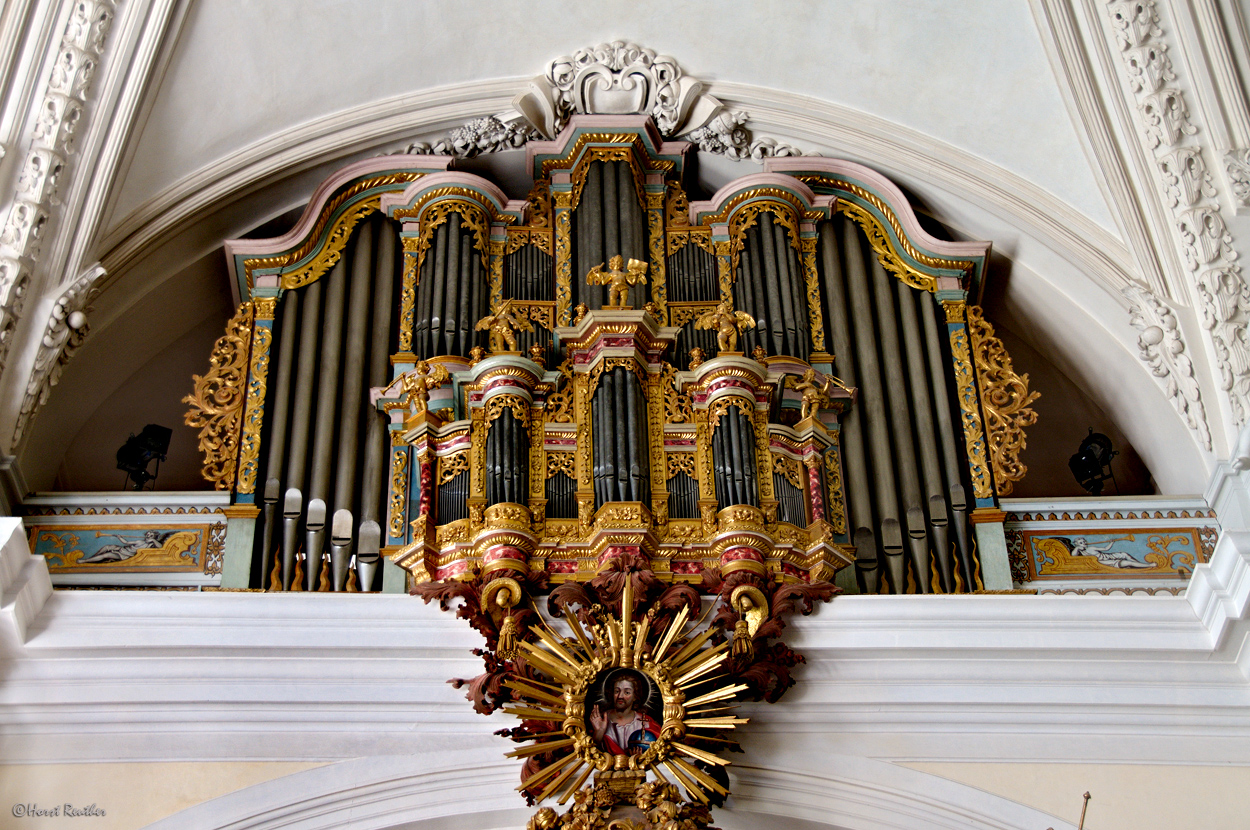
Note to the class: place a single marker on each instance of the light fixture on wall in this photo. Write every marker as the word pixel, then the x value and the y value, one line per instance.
pixel 1091 465
pixel 138 453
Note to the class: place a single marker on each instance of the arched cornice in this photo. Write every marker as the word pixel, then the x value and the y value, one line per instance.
pixel 315 243
pixel 465 789
pixel 418 196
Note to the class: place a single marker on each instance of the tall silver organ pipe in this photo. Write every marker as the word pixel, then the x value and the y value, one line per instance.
pixel 620 456
pixel 733 460
pixel 451 293
pixel 858 490
pixel 327 446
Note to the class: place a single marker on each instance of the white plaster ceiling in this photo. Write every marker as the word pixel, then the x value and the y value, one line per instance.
pixel 976 78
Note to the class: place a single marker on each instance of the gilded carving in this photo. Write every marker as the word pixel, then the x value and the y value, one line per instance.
pixel 974 437
pixel 683 313
pixel 741 221
pixel 450 466
pixel 788 468
pixel 655 230
pixel 836 507
pixel 520 408
pixel 496 273
pixel 954 310
pixel 677 407
pixel 721 405
pixel 681 462
pixel 501 323
pixel 254 412
pixel 540 205
pixel 471 213
pixel 408 294
pixel 561 462
pixel 727 323
pixel 217 402
pixel 399 491
pixel 564 256
pixel 1005 398
pixel 879 241
pixel 815 317
pixel 560 403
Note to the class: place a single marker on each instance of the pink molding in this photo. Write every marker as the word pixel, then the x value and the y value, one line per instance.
pixel 290 239
pixel 766 179
pixel 412 192
pixel 889 193
pixel 606 123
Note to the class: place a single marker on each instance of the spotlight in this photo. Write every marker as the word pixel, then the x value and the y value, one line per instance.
pixel 1092 463
pixel 140 451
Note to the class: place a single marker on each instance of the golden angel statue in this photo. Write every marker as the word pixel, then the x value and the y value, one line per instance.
pixel 727 323
pixel 815 395
pixel 500 325
pixel 418 383
pixel 619 278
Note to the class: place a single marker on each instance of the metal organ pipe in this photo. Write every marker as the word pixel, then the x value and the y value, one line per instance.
pixel 926 434
pixel 368 552
pixel 858 489
pixel 950 455
pixel 297 458
pixel 280 420
pixel 900 427
pixel 872 395
pixel 327 411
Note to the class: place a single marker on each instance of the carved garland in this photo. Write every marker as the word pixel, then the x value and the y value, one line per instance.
pixel 974 440
pixel 217 402
pixel 1005 398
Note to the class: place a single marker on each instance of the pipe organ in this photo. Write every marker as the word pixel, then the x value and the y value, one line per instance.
pixel 779 381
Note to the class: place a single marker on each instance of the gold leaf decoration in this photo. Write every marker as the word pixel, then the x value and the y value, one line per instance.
pixel 974 437
pixel 1005 398
pixel 217 402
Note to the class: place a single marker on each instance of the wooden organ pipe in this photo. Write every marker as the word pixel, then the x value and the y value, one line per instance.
pixel 858 489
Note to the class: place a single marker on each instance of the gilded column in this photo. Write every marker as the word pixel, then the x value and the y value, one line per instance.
pixel 659 262
pixel 563 204
pixel 969 403
pixel 254 410
pixel 815 316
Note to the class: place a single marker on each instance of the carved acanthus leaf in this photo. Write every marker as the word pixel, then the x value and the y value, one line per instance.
pixel 1163 349
pixel 217 402
pixel 1005 397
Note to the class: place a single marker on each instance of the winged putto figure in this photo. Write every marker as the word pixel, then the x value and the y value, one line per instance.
pixel 422 380
pixel 619 278
pixel 500 325
pixel 727 323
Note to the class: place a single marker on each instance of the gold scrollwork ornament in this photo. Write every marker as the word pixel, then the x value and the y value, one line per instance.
pixel 217 402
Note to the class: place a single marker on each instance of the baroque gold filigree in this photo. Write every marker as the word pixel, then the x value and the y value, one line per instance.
pixel 836 507
pixel 450 466
pixel 682 313
pixel 519 406
pixel 561 462
pixel 254 413
pixel 471 212
pixel 217 402
pixel 560 403
pixel 815 317
pixel 399 490
pixel 721 405
pixel 659 275
pixel 564 256
pixel 681 462
pixel 677 407
pixel 1005 399
pixel 879 241
pixel 974 437
pixel 788 468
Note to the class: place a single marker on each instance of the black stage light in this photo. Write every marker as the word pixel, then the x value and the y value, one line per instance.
pixel 1092 462
pixel 137 454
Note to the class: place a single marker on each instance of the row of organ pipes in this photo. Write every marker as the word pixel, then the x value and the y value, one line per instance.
pixel 326 447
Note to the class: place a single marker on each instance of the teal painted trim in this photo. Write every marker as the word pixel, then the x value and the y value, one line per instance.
pixel 992 551
pixel 948 295
pixel 394 578
pixel 794 192
pixel 236 565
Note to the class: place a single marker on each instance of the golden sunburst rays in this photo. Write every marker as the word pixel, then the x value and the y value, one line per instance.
pixel 680 663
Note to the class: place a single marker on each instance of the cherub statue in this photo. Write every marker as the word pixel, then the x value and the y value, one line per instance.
pixel 727 323
pixel 815 395
pixel 696 357
pixel 579 313
pixel 619 278
pixel 501 323
pixel 418 383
